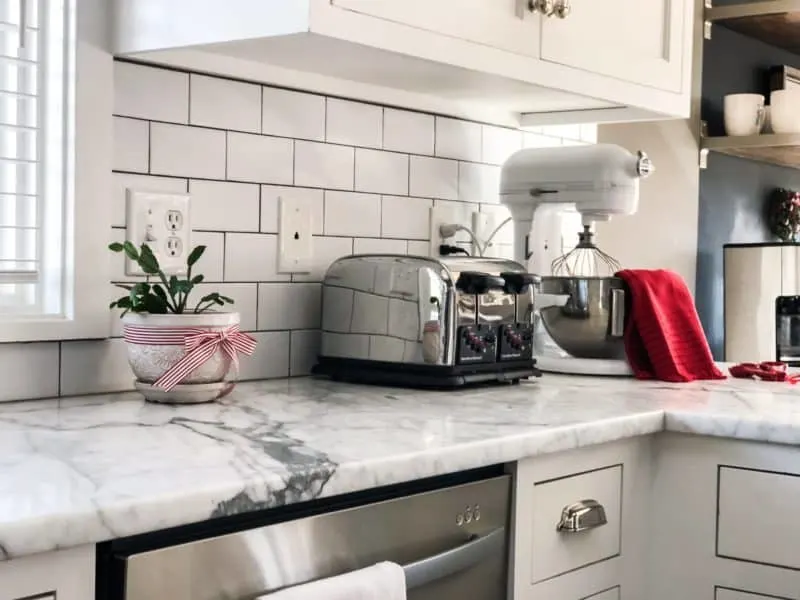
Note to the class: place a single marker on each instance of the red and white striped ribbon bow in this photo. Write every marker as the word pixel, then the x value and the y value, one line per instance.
pixel 200 345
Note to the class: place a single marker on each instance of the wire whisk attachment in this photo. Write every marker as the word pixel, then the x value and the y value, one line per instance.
pixel 585 260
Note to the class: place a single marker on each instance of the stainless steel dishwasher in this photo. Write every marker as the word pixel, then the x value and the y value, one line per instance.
pixel 452 543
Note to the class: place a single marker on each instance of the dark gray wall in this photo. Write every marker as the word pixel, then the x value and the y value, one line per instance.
pixel 733 191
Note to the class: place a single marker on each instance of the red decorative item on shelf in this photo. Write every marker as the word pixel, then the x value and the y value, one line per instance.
pixel 766 371
pixel 783 214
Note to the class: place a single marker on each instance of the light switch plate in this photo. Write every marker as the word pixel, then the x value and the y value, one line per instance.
pixel 163 222
pixel 295 246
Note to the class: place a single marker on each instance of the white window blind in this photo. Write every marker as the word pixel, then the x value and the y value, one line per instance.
pixel 35 59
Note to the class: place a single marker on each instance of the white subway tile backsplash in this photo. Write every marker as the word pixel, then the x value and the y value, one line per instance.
pixel 433 177
pixel 260 158
pixel 187 151
pixel 28 371
pixel 499 143
pixel 416 248
pixel 379 246
pixel 354 123
pixel 406 218
pixel 244 296
pixel 478 183
pixel 131 145
pixel 216 102
pixel 293 114
pixel 352 214
pixel 289 305
pixel 270 205
pixel 235 178
pixel 499 214
pixel 212 263
pixel 381 172
pixel 304 351
pixel 91 367
pixel 122 181
pixel 458 139
pixel 151 93
pixel 224 205
pixel 323 165
pixel 325 251
pixel 406 131
pixel 271 358
pixel 537 140
pixel 252 257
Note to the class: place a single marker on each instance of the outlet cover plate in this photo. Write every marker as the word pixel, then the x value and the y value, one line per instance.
pixel 162 221
pixel 295 245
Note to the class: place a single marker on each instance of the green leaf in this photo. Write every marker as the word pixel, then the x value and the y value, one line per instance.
pixel 116 247
pixel 210 297
pixel 227 299
pixel 195 255
pixel 159 291
pixel 197 279
pixel 183 286
pixel 148 261
pixel 173 285
pixel 155 304
pixel 130 251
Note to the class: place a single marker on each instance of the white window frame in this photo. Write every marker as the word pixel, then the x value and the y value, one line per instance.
pixel 87 229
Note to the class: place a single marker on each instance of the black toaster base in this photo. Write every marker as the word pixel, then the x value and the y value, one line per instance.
pixel 423 376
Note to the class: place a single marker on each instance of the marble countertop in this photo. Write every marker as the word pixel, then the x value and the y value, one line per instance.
pixel 82 470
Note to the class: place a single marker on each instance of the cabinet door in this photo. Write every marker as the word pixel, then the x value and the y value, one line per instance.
pixel 635 40
pixel 503 24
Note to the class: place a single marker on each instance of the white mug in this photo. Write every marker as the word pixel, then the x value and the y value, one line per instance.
pixel 744 114
pixel 786 110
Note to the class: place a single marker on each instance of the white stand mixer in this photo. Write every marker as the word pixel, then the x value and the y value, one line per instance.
pixel 598 181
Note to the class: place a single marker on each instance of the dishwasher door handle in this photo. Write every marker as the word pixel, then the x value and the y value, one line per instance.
pixel 455 560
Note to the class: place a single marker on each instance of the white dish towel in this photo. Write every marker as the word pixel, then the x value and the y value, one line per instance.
pixel 383 581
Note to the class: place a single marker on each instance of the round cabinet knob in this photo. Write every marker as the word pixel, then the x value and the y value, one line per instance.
pixel 562 8
pixel 546 7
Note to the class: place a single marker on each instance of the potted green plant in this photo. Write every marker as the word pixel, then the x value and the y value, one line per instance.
pixel 179 350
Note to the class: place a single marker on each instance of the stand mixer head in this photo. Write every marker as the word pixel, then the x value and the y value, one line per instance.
pixel 598 181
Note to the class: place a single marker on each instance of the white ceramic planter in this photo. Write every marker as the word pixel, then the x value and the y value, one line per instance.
pixel 149 362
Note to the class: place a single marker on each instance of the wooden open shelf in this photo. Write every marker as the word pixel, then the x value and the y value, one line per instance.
pixel 776 22
pixel 777 148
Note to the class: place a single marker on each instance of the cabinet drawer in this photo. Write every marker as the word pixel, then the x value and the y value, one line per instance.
pixel 755 520
pixel 722 593
pixel 556 552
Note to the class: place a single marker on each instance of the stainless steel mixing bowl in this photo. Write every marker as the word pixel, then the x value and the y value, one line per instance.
pixel 588 316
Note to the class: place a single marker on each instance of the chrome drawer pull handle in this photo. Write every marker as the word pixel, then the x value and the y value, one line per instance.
pixel 582 516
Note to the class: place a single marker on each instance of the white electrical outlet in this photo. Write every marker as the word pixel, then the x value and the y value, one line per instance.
pixel 440 216
pixel 295 248
pixel 162 221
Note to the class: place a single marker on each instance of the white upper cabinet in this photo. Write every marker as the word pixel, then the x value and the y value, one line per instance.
pixel 634 40
pixel 505 61
pixel 503 24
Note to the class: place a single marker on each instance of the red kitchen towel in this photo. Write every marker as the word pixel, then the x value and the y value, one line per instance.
pixel 663 336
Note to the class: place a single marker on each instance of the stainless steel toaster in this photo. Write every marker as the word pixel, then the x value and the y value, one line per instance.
pixel 419 321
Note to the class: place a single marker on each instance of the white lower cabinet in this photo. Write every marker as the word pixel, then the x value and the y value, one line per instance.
pixel 579 522
pixel 724 520
pixel 63 575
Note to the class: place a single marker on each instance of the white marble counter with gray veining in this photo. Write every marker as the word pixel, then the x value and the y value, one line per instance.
pixel 83 470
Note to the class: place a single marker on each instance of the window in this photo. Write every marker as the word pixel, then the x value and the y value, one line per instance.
pixel 34 124
pixel 55 119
